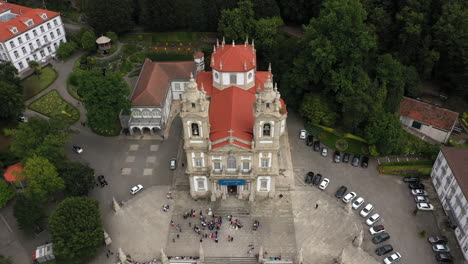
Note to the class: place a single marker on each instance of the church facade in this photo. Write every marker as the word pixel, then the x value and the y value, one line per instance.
pixel 233 118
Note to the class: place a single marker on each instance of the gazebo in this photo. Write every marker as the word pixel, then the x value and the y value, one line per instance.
pixel 104 43
pixel 14 175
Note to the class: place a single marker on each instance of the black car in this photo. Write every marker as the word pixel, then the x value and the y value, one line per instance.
pixel 316 145
pixel 444 257
pixel 341 191
pixel 336 156
pixel 355 161
pixel 310 140
pixel 437 239
pixel 308 178
pixel 317 178
pixel 384 250
pixel 365 162
pixel 102 181
pixel 416 185
pixel 380 238
pixel 346 157
pixel 411 179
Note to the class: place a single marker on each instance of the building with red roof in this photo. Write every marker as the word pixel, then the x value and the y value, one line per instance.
pixel 28 34
pixel 233 118
pixel 429 120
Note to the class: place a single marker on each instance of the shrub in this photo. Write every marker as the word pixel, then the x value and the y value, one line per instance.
pixel 130 49
pixel 126 67
pixel 6 193
pixel 73 78
pixel 113 36
pixel 66 49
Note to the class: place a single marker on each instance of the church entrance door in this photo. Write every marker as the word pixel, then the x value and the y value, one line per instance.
pixel 232 189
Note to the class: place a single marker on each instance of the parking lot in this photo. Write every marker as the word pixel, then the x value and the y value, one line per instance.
pixel 390 196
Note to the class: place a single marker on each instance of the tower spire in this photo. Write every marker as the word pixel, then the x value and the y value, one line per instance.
pixel 268 86
pixel 253 45
pixel 245 65
pixel 217 42
pixel 214 48
pixel 269 67
pixel 222 43
pixel 233 44
pixel 246 41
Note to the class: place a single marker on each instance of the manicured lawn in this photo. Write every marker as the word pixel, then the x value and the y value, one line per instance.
pixel 153 38
pixel 35 84
pixel 54 106
pixel 330 140
pixel 411 168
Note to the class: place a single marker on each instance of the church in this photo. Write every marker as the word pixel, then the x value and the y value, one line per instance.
pixel 233 118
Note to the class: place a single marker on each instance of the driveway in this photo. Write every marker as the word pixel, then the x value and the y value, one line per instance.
pixel 391 198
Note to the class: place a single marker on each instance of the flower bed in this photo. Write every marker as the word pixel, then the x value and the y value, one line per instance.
pixel 54 106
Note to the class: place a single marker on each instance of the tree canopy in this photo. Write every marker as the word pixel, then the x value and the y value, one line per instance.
pixel 76 229
pixel 42 178
pixel 88 41
pixel 110 15
pixel 318 110
pixel 6 193
pixel 237 23
pixel 29 213
pixel 78 178
pixel 11 92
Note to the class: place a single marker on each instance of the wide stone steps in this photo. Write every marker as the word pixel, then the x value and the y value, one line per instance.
pixel 230 260
pixel 234 211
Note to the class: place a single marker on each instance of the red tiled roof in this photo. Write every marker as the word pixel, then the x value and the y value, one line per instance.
pixel 13 173
pixel 153 82
pixel 24 14
pixel 428 114
pixel 457 159
pixel 233 58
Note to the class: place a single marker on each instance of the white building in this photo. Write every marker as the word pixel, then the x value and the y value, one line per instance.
pixel 450 178
pixel 28 34
pixel 427 120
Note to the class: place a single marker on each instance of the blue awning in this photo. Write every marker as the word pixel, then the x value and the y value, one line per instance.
pixel 231 182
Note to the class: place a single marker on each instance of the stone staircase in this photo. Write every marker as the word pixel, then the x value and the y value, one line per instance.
pixel 230 260
pixel 231 206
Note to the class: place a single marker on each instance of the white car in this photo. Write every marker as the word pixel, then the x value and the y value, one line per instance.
pixel 349 197
pixel 358 202
pixel 421 199
pixel 376 229
pixel 77 149
pixel 324 184
pixel 373 219
pixel 302 135
pixel 366 210
pixel 136 189
pixel 440 248
pixel 324 151
pixel 393 258
pixel 425 206
pixel 418 192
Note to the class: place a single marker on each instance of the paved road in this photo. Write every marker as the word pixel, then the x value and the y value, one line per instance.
pixel 389 195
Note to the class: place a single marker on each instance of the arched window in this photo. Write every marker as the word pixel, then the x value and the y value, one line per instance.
pixel 195 130
pixel 231 163
pixel 266 130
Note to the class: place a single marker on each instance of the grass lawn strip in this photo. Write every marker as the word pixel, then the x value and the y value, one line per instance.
pixel 329 139
pixel 35 84
pixel 54 106
pixel 407 168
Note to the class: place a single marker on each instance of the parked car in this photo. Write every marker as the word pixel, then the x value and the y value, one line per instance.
pixel 421 199
pixel 373 219
pixel 366 210
pixel 376 229
pixel 324 184
pixel 317 178
pixel 309 177
pixel 444 257
pixel 136 189
pixel 437 239
pixel 22 119
pixel 358 202
pixel 385 249
pixel 336 156
pixel 173 164
pixel 316 146
pixel 379 238
pixel 349 197
pixel 77 149
pixel 393 258
pixel 416 185
pixel 324 151
pixel 411 179
pixel 340 192
pixel 418 192
pixel 302 135
pixel 310 140
pixel 440 248
pixel 365 162
pixel 355 161
pixel 346 157
pixel 102 181
pixel 425 206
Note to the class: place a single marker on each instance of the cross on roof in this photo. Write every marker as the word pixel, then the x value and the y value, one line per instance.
pixel 230 132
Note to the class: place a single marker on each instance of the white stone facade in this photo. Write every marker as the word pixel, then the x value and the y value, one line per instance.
pixel 39 43
pixel 453 200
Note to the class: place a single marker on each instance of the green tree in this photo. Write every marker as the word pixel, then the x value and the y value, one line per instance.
pixel 42 178
pixel 6 193
pixel 385 132
pixel 318 110
pixel 266 9
pixel 299 11
pixel 412 82
pixel 11 97
pixel 110 15
pixel 88 41
pixel 78 178
pixel 158 15
pixel 390 72
pixel 381 18
pixel 5 260
pixel 29 213
pixel 266 32
pixel 36 66
pixel 66 49
pixel 9 74
pixel 76 229
pixel 113 36
pixel 237 23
